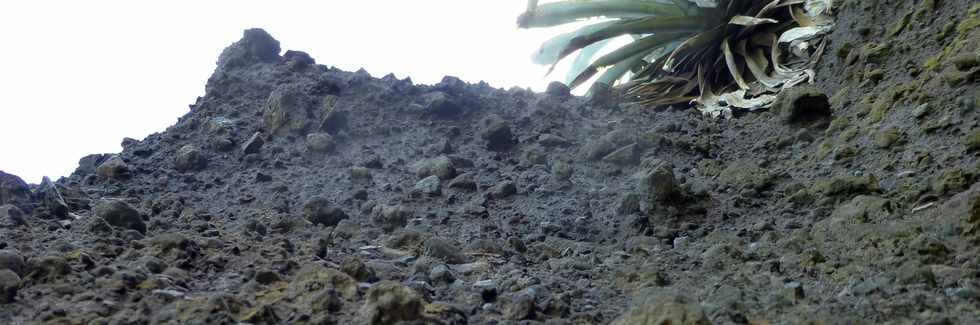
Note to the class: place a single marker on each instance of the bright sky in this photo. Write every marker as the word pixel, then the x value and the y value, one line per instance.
pixel 78 76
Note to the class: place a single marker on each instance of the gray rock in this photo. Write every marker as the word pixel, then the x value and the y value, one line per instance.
pixel 562 170
pixel 253 144
pixel 440 166
pixel 504 189
pixel 599 148
pixel 389 303
pixel 190 158
pixel 319 210
pixel 255 46
pixel 332 119
pixel 444 249
pixel 120 214
pixel 521 307
pixel 11 216
pixel 495 130
pixel 356 268
pixel 464 181
pixel 360 173
pixel 550 140
pixel 441 274
pixel 14 190
pixel 318 142
pixel 51 199
pixel 441 104
pixel 48 268
pixel 391 217
pixel 9 284
pixel 664 309
pixel 659 184
pixel 11 260
pixel 114 168
pixel 428 186
pixel 287 110
pixel 558 89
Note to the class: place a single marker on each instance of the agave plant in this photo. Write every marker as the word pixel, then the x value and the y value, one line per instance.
pixel 719 54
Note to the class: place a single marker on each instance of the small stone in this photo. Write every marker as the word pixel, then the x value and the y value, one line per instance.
pixel 504 189
pixel 114 168
pixel 463 181
pixel 439 166
pixel 599 148
pixel 444 249
pixel 562 170
pixel 967 293
pixel 319 142
pixel 267 277
pixel 551 140
pixel 659 183
pixel 921 110
pixel 120 214
pixel 389 303
pixel 11 260
pixel 428 186
pixel 441 274
pixel 914 273
pixel 9 284
pixel 319 210
pixel 360 173
pixel 495 130
pixel 886 138
pixel 253 144
pixel 189 158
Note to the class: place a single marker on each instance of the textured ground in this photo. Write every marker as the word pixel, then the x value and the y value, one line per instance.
pixel 296 193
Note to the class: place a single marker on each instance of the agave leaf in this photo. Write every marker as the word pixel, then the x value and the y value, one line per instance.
pixel 617 71
pixel 755 60
pixel 627 53
pixel 751 21
pixel 635 26
pixel 582 60
pixel 803 33
pixel 732 65
pixel 563 12
pixel 695 43
pixel 548 53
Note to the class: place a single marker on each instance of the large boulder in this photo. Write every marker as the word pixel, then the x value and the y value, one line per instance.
pixel 389 302
pixel 120 214
pixel 190 158
pixel 287 110
pixel 113 169
pixel 14 190
pixel 255 46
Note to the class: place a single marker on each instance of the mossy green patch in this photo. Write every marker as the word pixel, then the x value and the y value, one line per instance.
pixel 899 25
pixel 886 138
pixel 972 141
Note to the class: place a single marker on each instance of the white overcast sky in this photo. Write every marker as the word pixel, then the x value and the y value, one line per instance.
pixel 78 76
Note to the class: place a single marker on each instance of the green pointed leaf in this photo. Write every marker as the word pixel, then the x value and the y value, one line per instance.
pixel 563 12
pixel 583 60
pixel 548 53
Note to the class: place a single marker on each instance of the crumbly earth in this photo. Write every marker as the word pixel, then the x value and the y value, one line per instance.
pixel 294 193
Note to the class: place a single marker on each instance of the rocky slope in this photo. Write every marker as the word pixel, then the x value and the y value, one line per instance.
pixel 297 193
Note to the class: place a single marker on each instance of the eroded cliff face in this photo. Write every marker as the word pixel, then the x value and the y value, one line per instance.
pixel 296 193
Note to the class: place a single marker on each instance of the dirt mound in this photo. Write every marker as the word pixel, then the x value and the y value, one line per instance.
pixel 297 193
